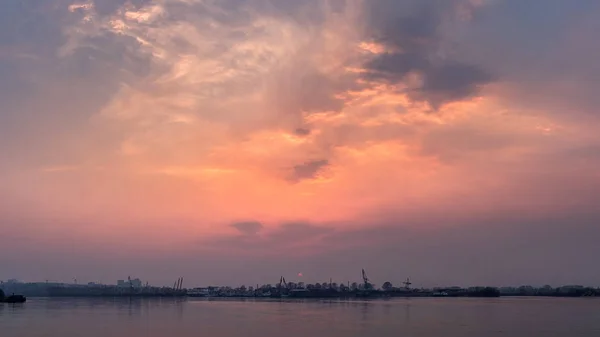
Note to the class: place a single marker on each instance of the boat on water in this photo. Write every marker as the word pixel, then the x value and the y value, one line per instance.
pixel 12 298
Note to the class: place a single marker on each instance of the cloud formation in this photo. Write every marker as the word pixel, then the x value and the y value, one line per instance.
pixel 308 170
pixel 248 228
pixel 411 37
pixel 435 134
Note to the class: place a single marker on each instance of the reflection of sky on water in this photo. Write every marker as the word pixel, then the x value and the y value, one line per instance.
pixel 125 317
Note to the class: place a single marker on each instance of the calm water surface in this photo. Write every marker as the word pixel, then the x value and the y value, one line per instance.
pixel 519 317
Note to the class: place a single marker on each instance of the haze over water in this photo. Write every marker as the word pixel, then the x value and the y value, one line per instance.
pixel 507 317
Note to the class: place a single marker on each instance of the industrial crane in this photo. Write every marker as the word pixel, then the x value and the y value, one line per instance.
pixel 178 284
pixel 283 283
pixel 368 285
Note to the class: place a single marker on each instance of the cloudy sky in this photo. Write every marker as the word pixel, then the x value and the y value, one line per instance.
pixel 235 141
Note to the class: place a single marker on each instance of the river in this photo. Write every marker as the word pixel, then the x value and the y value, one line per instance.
pixel 415 317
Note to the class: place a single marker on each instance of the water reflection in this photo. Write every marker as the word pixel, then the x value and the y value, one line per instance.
pixel 135 317
pixel 11 307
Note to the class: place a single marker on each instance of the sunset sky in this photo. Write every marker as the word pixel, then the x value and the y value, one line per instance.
pixel 235 141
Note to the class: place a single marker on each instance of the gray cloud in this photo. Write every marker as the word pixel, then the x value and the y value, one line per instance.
pixel 248 227
pixel 543 52
pixel 308 170
pixel 407 24
pixel 302 131
pixel 411 32
pixel 450 82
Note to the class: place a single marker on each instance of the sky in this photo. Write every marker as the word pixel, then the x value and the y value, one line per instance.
pixel 455 142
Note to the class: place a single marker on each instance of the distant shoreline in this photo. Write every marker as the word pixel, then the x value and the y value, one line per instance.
pixel 332 296
pixel 286 290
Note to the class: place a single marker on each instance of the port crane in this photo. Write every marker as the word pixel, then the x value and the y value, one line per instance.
pixel 178 284
pixel 366 281
pixel 407 283
pixel 283 283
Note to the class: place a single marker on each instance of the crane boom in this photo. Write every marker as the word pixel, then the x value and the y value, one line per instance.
pixel 366 280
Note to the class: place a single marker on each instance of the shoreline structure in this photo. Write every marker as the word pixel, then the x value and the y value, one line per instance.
pixel 283 289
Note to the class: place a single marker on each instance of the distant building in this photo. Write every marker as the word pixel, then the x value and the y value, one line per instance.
pixel 136 283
